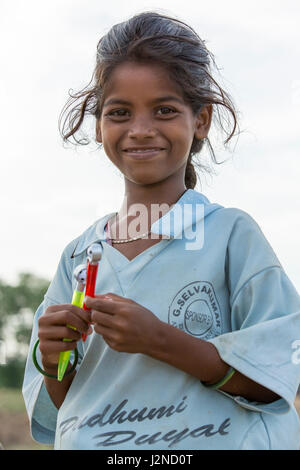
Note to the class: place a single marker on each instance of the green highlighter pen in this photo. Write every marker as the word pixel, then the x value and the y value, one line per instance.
pixel 77 299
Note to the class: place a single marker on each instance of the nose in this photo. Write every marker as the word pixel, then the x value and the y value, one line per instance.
pixel 142 127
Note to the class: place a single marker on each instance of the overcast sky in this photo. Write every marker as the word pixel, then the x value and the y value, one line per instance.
pixel 50 194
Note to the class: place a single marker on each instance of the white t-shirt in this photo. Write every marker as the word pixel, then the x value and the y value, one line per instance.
pixel 225 286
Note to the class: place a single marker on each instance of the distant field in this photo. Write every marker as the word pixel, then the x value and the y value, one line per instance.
pixel 14 426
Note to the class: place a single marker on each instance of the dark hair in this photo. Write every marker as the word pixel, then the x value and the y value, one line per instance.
pixel 153 37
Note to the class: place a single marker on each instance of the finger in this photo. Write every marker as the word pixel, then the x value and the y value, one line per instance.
pixel 102 318
pixel 58 307
pixel 77 311
pixel 101 304
pixel 51 347
pixel 65 317
pixel 59 333
pixel 115 297
pixel 104 331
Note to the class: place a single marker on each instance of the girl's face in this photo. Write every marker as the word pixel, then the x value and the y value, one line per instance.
pixel 143 108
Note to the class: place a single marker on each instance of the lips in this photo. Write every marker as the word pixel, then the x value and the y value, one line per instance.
pixel 143 149
pixel 143 154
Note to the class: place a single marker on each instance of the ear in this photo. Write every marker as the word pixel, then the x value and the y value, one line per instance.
pixel 203 121
pixel 98 131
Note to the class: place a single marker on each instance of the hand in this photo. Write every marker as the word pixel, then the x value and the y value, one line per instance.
pixel 53 329
pixel 125 325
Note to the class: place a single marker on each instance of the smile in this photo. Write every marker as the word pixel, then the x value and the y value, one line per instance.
pixel 143 154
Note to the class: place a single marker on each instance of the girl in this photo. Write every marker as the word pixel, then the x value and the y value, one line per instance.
pixel 191 333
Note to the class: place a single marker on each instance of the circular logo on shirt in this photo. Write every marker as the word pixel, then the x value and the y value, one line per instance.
pixel 195 310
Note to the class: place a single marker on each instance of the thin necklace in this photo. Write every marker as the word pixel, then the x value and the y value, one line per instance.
pixel 114 240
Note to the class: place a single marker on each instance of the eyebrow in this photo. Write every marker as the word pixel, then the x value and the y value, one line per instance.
pixel 157 100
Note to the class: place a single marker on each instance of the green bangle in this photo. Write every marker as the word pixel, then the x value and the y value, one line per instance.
pixel 221 382
pixel 46 373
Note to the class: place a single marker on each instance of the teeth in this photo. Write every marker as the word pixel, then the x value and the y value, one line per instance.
pixel 142 150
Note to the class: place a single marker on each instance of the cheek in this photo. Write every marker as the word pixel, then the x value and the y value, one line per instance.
pixel 110 151
pixel 180 151
pixel 180 136
pixel 111 138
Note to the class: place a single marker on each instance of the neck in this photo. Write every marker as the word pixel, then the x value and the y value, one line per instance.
pixel 142 206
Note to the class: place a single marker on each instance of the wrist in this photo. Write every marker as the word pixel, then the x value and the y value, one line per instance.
pixel 160 347
pixel 192 355
pixel 71 369
pixel 48 365
pixel 52 369
pixel 158 340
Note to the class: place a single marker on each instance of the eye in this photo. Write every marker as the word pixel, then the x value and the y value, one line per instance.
pixel 167 107
pixel 116 112
pixel 112 113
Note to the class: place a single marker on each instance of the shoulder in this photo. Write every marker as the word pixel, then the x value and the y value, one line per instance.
pixel 237 224
pixel 93 234
pixel 245 233
pixel 61 285
pixel 243 226
pixel 237 218
pixel 230 217
pixel 248 251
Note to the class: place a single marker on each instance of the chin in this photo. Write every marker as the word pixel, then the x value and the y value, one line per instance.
pixel 145 181
pixel 144 178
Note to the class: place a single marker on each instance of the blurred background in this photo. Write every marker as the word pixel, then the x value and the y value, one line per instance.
pixel 50 193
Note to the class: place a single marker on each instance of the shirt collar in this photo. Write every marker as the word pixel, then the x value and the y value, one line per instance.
pixel 190 209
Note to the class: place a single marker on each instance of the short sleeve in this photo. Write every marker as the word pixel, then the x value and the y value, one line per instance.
pixel 41 411
pixel 265 318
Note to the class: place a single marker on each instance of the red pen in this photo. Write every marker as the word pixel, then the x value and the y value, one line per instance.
pixel 93 257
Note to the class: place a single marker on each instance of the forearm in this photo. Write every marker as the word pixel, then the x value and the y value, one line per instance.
pixel 58 390
pixel 202 360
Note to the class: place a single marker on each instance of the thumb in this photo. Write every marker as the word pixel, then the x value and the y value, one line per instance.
pixel 111 296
